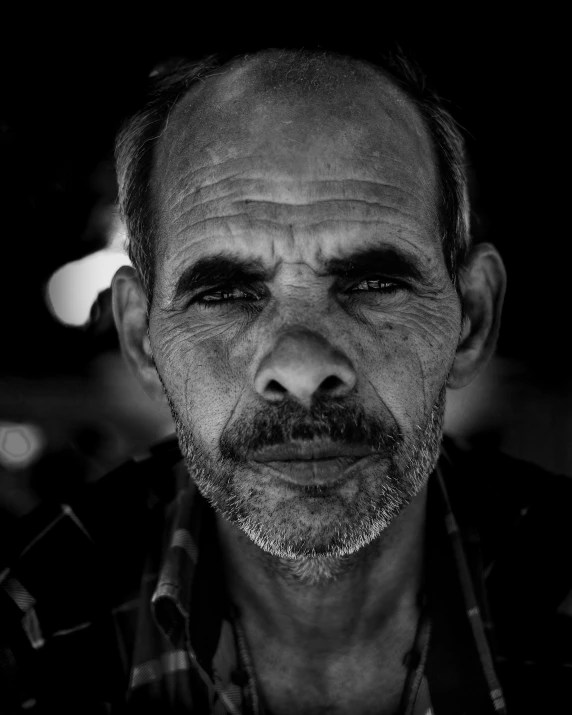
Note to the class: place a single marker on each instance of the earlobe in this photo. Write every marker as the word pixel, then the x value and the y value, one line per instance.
pixel 482 286
pixel 130 315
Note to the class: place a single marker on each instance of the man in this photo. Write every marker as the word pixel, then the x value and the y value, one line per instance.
pixel 303 292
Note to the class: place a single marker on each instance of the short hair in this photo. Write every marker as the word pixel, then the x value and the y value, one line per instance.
pixel 170 82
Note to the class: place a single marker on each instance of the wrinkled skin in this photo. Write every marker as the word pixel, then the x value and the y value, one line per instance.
pixel 299 195
pixel 293 184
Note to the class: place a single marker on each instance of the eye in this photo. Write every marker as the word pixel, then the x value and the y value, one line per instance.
pixel 226 294
pixel 378 285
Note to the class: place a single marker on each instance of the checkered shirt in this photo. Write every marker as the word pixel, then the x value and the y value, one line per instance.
pixel 117 604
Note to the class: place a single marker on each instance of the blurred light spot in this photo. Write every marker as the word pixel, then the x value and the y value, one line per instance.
pixel 20 444
pixel 73 288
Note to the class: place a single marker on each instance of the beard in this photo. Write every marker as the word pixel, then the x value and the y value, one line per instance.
pixel 312 532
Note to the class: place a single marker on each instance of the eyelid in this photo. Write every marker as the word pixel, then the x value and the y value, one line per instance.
pixel 353 282
pixel 227 288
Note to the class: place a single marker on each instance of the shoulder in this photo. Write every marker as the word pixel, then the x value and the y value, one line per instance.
pixel 70 582
pixel 520 511
pixel 105 512
pixel 522 516
pixel 498 492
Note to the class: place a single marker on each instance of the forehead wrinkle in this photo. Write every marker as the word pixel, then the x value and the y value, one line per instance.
pixel 245 222
pixel 260 187
pixel 301 193
pixel 202 176
pixel 182 191
pixel 256 194
pixel 194 181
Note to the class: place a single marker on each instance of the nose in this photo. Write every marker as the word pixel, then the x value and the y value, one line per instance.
pixel 302 365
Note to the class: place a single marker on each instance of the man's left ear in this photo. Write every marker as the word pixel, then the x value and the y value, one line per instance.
pixel 482 284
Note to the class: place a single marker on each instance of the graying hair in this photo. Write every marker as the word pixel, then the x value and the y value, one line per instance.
pixel 136 141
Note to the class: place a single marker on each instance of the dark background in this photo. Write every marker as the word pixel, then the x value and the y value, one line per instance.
pixel 67 83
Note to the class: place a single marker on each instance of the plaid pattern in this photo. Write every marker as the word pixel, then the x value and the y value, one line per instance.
pixel 118 604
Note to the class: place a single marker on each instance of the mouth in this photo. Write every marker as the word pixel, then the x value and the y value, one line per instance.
pixel 312 463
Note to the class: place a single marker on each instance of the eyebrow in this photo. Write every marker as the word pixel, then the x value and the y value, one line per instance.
pixel 219 269
pixel 388 260
pixel 224 268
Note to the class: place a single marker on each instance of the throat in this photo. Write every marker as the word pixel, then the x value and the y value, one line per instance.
pixel 365 678
pixel 329 601
pixel 330 633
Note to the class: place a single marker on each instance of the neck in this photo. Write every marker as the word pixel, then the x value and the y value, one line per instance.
pixel 337 605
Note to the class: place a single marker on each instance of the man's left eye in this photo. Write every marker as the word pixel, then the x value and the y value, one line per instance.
pixel 381 285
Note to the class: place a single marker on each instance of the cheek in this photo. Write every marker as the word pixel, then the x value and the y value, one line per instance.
pixel 392 368
pixel 435 338
pixel 407 362
pixel 200 376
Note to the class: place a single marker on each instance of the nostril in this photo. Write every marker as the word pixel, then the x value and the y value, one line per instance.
pixel 330 384
pixel 275 389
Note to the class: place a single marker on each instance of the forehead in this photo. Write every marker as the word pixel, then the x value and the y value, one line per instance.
pixel 240 134
pixel 356 116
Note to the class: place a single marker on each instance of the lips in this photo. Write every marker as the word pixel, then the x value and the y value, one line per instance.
pixel 312 463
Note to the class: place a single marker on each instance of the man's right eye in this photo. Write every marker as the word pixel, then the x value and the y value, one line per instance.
pixel 226 295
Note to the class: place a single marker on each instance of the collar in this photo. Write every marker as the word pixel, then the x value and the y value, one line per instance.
pixel 190 522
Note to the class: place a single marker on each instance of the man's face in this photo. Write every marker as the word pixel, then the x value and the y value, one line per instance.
pixel 303 321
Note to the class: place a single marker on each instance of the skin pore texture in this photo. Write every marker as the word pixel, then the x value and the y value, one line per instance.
pixel 326 573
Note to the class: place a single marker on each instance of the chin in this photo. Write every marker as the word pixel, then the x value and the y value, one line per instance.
pixel 304 529
pixel 314 571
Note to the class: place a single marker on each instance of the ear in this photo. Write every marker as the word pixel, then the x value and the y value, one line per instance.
pixel 130 314
pixel 482 283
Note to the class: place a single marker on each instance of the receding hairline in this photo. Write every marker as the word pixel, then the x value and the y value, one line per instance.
pixel 295 76
pixel 335 90
pixel 301 72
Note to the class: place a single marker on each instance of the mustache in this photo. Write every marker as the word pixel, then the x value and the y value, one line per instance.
pixel 290 421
